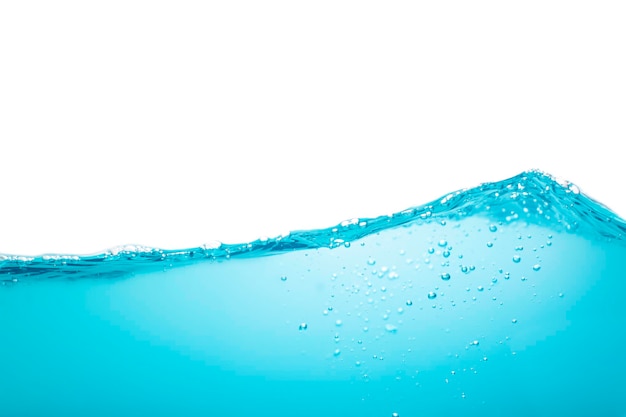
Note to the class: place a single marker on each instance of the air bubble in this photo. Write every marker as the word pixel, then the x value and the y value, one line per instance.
pixel 489 244
pixel 514 321
pixel 517 259
pixel 431 250
pixel 442 243
pixel 303 326
pixel 338 323
pixel 446 254
pixel 337 352
pixel 395 415
pixel 445 276
pixel 409 302
pixel 371 261
pixel 283 278
pixel 475 343
pixel 480 288
pixel 391 328
pixel 432 295
pixel 536 267
pixel 493 228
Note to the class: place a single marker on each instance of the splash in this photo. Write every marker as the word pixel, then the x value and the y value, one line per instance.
pixel 504 299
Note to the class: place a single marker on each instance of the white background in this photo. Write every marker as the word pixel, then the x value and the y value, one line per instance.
pixel 175 123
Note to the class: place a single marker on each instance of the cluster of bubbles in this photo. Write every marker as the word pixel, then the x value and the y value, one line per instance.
pixel 377 282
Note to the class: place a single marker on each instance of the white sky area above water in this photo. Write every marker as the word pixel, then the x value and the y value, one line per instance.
pixel 175 123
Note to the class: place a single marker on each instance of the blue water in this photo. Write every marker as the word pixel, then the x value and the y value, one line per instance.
pixel 502 300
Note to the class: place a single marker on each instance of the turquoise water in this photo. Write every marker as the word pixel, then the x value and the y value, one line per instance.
pixel 502 300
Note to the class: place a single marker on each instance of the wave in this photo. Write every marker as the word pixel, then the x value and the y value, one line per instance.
pixel 532 197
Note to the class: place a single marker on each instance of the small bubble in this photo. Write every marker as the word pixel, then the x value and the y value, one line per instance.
pixel 395 415
pixel 442 243
pixel 391 328
pixel 493 228
pixel 485 358
pixel 465 269
pixel 475 343
pixel 409 302
pixel 400 310
pixel 346 244
pixel 494 280
pixel 371 261
pixel 517 259
pixel 445 276
pixel 431 250
pixel 536 267
pixel 393 275
pixel 283 278
pixel 446 253
pixel 480 288
pixel 561 294
pixel 337 352
pixel 489 244
pixel 357 363
pixel 338 323
pixel 303 326
pixel 514 321
pixel 432 295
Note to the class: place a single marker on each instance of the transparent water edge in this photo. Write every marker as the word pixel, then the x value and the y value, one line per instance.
pixel 531 197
